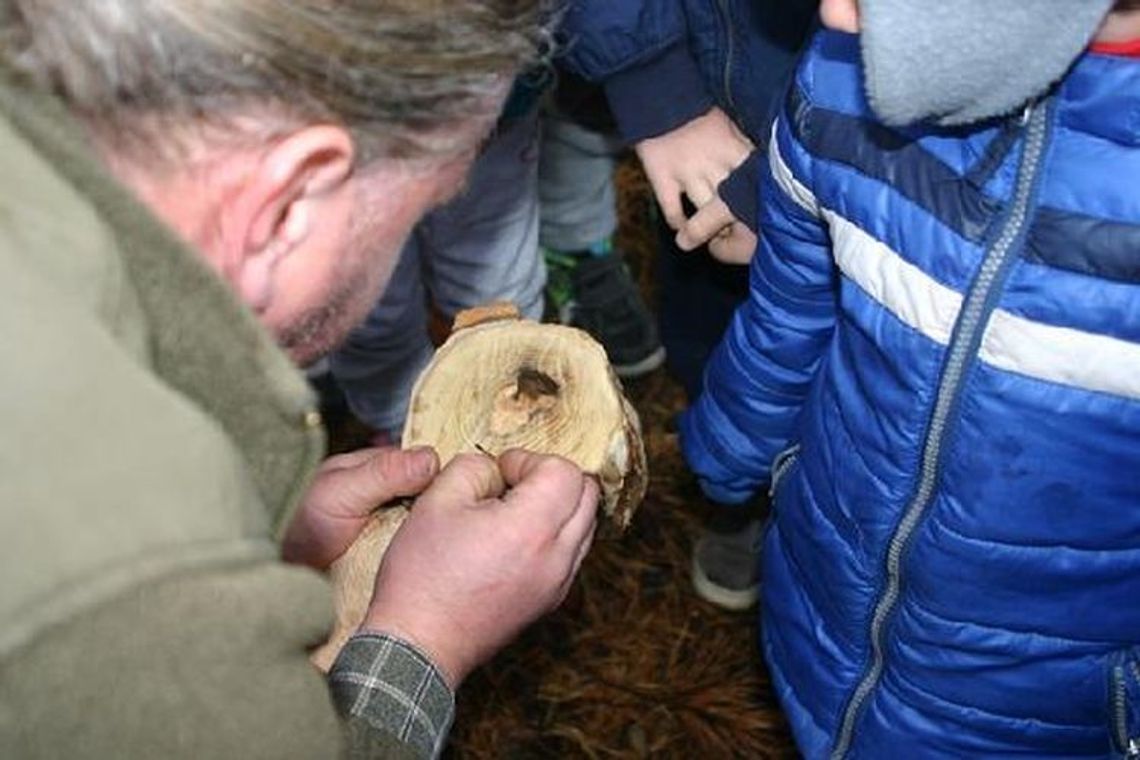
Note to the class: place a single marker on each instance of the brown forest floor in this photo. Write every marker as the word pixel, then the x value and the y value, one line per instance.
pixel 633 664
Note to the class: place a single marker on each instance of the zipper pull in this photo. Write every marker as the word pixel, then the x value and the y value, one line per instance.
pixel 1133 751
pixel 1027 112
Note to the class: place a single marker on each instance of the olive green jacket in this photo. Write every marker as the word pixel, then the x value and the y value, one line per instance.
pixel 153 444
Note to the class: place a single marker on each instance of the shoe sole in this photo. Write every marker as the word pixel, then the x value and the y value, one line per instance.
pixel 643 367
pixel 735 600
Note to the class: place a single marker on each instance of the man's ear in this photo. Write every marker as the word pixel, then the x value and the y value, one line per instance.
pixel 288 190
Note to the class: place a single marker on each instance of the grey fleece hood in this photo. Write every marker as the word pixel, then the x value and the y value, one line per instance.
pixel 960 61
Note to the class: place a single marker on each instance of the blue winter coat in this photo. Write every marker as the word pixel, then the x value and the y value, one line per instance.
pixel 938 370
pixel 665 62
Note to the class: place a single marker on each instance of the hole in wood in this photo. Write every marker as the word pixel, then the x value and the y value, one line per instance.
pixel 532 384
pixel 529 396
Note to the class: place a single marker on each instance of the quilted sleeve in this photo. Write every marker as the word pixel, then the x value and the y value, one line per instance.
pixel 759 376
pixel 639 51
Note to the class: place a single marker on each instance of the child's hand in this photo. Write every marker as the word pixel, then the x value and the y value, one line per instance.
pixel 693 160
pixel 729 239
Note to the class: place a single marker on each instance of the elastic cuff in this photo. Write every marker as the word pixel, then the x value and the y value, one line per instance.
pixel 659 95
pixel 726 496
pixel 395 689
pixel 712 476
pixel 741 190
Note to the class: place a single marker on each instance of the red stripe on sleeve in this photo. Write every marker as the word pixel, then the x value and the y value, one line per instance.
pixel 1128 48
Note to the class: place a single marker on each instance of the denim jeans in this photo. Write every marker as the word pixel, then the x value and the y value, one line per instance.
pixel 480 247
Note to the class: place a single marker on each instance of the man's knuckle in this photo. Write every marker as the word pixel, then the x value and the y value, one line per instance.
pixel 561 473
pixel 381 470
pixel 388 461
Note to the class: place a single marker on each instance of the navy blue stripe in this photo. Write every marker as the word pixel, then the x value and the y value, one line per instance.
pixel 1085 244
pixel 1061 239
pixel 896 160
pixel 996 152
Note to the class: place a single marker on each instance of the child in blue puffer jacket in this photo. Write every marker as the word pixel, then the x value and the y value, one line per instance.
pixel 937 374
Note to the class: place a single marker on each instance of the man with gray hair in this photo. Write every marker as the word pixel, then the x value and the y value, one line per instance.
pixel 176 173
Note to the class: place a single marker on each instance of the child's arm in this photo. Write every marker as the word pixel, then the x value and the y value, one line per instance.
pixel 759 376
pixel 638 50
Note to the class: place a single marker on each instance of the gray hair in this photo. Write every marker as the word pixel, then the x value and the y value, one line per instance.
pixel 391 71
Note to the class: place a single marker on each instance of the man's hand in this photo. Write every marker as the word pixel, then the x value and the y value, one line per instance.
pixel 487 549
pixel 346 490
pixel 729 239
pixel 693 160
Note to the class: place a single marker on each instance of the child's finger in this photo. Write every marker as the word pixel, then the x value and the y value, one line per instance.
pixel 669 198
pixel 704 225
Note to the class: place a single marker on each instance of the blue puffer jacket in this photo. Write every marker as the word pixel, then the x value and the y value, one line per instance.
pixel 665 62
pixel 938 370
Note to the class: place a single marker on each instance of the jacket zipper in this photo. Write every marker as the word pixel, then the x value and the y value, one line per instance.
pixel 971 324
pixel 1132 747
pixel 780 466
pixel 730 51
pixel 1128 745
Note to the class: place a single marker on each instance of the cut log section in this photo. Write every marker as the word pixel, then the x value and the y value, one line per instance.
pixel 499 383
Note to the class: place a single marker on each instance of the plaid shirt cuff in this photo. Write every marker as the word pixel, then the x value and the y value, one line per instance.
pixel 395 689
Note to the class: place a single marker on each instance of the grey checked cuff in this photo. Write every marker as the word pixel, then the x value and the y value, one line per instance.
pixel 395 689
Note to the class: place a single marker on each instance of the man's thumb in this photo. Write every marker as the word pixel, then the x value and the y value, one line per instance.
pixel 467 480
pixel 392 473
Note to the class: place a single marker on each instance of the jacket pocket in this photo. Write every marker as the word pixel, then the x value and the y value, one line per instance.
pixel 1124 704
pixel 782 465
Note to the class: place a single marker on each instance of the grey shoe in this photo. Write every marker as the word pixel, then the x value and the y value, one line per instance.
pixel 726 559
